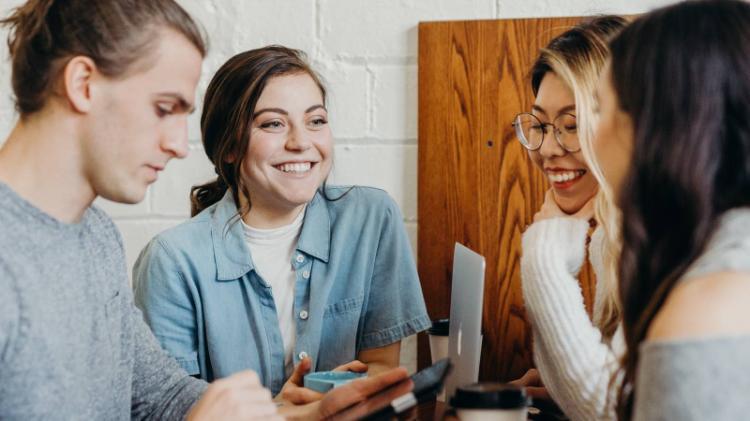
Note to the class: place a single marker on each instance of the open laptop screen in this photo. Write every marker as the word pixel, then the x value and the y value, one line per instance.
pixel 465 337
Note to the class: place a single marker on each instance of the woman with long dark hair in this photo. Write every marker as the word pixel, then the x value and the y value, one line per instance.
pixel 277 269
pixel 674 144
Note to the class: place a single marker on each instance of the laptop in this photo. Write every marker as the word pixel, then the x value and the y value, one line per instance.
pixel 465 331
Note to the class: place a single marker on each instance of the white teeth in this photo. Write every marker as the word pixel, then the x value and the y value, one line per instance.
pixel 295 167
pixel 561 177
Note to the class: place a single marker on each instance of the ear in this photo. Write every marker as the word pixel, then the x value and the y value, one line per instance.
pixel 77 80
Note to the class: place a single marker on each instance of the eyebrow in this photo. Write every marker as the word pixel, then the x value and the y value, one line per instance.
pixel 563 110
pixel 183 104
pixel 315 107
pixel 285 112
pixel 538 108
pixel 567 109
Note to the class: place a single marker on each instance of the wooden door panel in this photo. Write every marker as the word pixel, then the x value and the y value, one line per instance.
pixel 476 183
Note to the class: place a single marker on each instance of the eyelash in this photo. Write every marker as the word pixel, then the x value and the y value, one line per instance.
pixel 163 111
pixel 275 124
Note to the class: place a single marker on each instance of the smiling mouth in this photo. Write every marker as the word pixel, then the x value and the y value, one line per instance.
pixel 565 176
pixel 295 167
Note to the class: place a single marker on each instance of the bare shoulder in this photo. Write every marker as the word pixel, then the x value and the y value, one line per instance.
pixel 713 305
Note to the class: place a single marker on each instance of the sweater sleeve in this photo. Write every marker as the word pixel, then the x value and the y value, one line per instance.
pixel 10 315
pixel 161 389
pixel 573 361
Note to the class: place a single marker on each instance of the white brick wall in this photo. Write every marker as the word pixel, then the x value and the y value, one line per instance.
pixel 365 50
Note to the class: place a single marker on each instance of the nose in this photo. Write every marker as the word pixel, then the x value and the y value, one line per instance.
pixel 298 139
pixel 175 141
pixel 550 148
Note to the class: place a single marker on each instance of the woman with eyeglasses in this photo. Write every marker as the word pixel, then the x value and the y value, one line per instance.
pixel 575 357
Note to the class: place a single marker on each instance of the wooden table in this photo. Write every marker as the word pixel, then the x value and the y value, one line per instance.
pixel 437 411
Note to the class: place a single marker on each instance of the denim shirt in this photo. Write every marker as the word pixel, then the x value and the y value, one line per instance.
pixel 357 288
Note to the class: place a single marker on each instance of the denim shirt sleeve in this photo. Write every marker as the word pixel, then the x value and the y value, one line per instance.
pixel 395 306
pixel 166 300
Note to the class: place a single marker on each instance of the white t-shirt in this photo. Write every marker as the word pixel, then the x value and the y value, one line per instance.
pixel 272 251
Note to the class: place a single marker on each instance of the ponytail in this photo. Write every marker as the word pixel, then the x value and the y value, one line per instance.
pixel 31 45
pixel 205 195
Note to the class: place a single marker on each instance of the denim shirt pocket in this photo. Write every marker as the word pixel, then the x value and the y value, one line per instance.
pixel 338 342
pixel 343 307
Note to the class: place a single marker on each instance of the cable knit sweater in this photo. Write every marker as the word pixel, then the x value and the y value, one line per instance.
pixel 574 361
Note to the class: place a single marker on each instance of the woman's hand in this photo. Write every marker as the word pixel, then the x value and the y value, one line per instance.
pixel 294 391
pixel 550 209
pixel 356 397
pixel 533 384
pixel 240 396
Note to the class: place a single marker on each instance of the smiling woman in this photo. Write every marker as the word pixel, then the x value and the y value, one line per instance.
pixel 576 355
pixel 291 152
pixel 276 269
pixel 550 134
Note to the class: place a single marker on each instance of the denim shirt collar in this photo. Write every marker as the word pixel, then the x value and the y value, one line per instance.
pixel 231 252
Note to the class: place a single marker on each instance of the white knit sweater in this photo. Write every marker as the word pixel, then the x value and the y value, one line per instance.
pixel 573 361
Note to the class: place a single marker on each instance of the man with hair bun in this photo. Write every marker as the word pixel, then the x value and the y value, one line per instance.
pixel 103 90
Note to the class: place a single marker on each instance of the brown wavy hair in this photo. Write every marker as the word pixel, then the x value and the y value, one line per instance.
pixel 682 74
pixel 115 34
pixel 228 113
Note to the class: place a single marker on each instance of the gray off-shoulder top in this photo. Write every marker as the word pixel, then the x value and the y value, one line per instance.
pixel 701 379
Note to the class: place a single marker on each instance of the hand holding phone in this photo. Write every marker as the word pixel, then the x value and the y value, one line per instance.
pixel 399 398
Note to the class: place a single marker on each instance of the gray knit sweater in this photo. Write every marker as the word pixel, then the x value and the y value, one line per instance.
pixel 701 379
pixel 72 345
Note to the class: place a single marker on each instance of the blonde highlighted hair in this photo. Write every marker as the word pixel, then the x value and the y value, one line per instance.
pixel 577 57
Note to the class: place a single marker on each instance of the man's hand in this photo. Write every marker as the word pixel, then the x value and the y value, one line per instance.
pixel 237 397
pixel 294 391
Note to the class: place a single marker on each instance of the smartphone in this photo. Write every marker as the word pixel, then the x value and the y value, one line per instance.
pixel 393 400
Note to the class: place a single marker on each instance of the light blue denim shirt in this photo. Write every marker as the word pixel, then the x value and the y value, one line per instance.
pixel 356 280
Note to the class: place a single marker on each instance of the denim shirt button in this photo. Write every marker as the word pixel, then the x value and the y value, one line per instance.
pixel 306 274
pixel 303 315
pixel 300 258
pixel 302 355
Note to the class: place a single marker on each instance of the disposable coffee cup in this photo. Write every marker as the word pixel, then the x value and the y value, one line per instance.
pixel 439 339
pixel 491 401
pixel 438 335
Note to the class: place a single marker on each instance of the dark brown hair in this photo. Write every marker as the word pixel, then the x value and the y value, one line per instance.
pixel 115 34
pixel 228 113
pixel 682 74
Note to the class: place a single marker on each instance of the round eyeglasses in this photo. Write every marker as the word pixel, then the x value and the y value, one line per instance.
pixel 530 131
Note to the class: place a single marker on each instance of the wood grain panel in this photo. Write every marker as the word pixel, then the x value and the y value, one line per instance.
pixel 476 183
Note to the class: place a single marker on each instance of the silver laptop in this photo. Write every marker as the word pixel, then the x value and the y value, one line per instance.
pixel 465 334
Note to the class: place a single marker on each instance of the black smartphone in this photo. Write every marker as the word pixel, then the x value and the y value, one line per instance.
pixel 392 401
